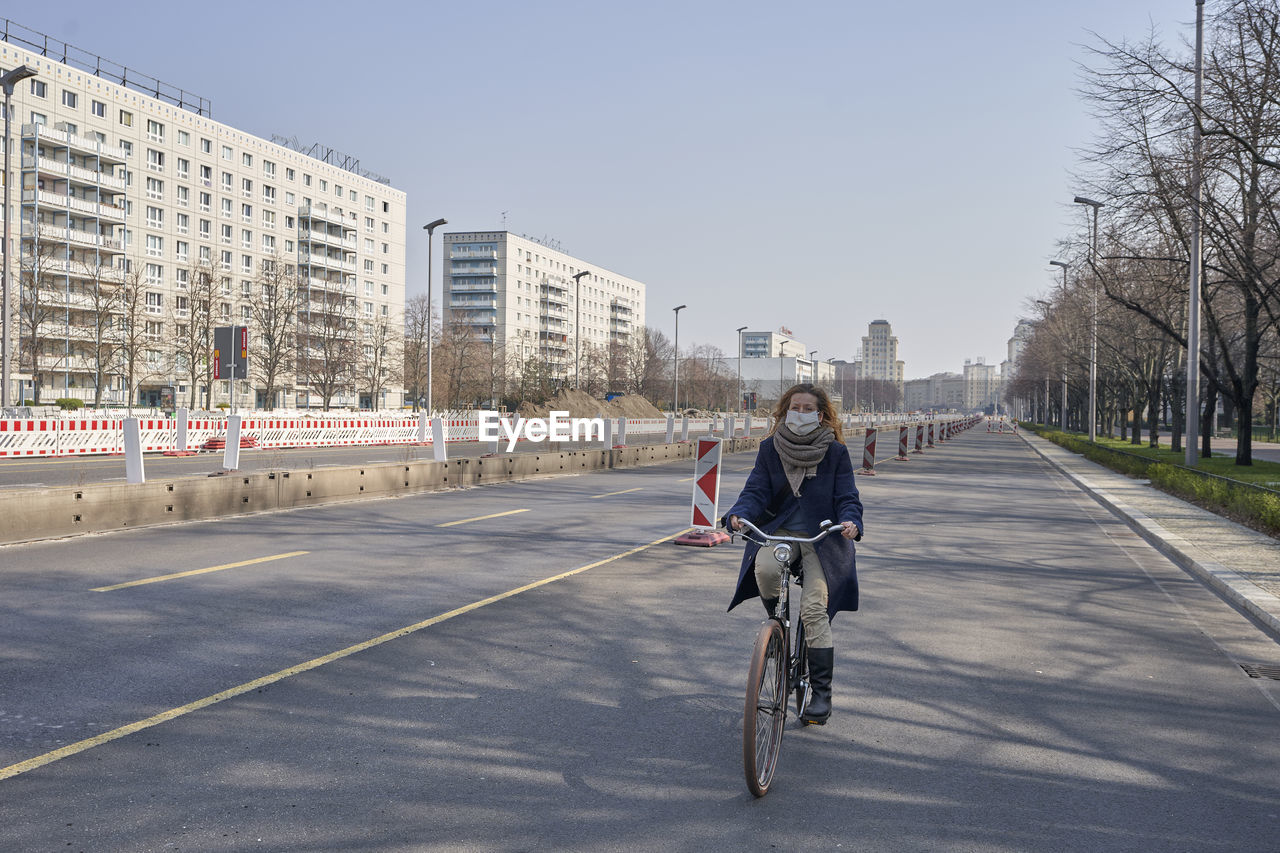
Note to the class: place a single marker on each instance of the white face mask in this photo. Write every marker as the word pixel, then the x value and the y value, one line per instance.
pixel 803 423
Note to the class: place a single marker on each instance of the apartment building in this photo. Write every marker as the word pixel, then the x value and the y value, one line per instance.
pixel 534 302
pixel 144 223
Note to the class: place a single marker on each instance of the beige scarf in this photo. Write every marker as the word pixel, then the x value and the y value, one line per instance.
pixel 800 454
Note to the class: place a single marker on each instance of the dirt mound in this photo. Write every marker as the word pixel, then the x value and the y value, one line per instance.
pixel 580 404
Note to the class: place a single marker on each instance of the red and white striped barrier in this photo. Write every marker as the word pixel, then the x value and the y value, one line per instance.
pixel 902 445
pixel 919 439
pixel 869 453
pixel 706 496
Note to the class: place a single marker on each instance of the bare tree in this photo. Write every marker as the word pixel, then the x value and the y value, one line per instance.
pixel 380 357
pixel 417 326
pixel 139 353
pixel 274 304
pixel 192 317
pixel 327 354
pixel 38 310
pixel 1141 93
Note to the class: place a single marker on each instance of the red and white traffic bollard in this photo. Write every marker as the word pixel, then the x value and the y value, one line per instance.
pixel 919 439
pixel 902 445
pixel 869 453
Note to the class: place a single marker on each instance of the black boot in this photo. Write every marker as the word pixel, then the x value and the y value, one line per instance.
pixel 770 605
pixel 819 707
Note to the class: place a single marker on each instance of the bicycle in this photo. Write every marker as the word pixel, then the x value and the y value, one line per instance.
pixel 779 665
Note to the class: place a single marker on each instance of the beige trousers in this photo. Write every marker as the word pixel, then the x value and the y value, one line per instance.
pixel 813 600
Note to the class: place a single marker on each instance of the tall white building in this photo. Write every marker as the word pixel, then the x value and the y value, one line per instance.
pixel 981 384
pixel 880 354
pixel 144 221
pixel 533 301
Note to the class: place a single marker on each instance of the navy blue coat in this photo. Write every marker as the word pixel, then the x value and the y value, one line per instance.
pixel 831 494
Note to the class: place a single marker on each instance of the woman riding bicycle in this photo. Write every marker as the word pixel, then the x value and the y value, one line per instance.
pixel 803 476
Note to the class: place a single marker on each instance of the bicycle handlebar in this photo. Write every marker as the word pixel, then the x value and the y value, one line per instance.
pixel 828 527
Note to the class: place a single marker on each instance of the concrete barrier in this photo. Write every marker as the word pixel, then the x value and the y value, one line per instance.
pixel 29 516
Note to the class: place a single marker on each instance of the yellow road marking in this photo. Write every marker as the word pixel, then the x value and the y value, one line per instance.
pixel 623 492
pixel 481 518
pixel 685 480
pixel 249 686
pixel 199 571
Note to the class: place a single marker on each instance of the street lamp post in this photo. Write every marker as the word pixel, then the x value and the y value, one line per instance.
pixel 577 326
pixel 8 80
pixel 1093 324
pixel 430 228
pixel 740 330
pixel 1062 415
pixel 675 359
pixel 1191 454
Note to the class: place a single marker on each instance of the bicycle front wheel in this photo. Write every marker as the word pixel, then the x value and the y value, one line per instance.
pixel 766 708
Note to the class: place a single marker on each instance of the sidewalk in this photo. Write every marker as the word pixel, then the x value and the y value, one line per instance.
pixel 1241 564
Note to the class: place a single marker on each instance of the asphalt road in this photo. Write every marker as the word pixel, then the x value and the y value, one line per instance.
pixel 1025 675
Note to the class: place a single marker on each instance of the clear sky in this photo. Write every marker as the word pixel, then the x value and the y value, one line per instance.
pixel 817 165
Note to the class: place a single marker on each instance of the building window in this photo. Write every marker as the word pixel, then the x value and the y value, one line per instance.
pixel 246 238
pixel 205 199
pixel 155 188
pixel 155 302
pixel 204 229
pixel 155 217
pixel 268 168
pixel 183 224
pixel 39 88
pixel 246 160
pixel 184 168
pixel 126 118
pixel 226 182
pixel 155 160
pixel 226 234
pixel 268 194
pixel 39 118
pixel 184 138
pixel 289 174
pixel 246 213
pixel 69 99
pixel 155 130
pixel 246 187
pixel 206 175
pixel 155 246
pixel 226 207
pixel 98 108
pixel 127 146
pixel 226 152
pixel 206 146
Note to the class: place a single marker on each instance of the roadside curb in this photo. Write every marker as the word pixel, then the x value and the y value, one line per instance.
pixel 1240 592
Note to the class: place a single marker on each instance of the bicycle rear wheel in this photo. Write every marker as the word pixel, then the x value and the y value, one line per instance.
pixel 766 708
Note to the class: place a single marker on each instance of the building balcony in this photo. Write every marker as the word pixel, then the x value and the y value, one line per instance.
pixel 473 271
pixel 313 213
pixel 327 238
pixel 62 234
pixel 307 259
pixel 65 202
pixel 620 310
pixel 464 254
pixel 63 170
pixel 106 154
pixel 473 287
pixel 476 304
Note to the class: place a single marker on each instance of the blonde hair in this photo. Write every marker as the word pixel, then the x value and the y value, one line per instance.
pixel 826 412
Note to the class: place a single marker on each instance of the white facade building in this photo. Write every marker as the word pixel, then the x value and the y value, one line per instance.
pixel 530 300
pixel 128 202
pixel 880 354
